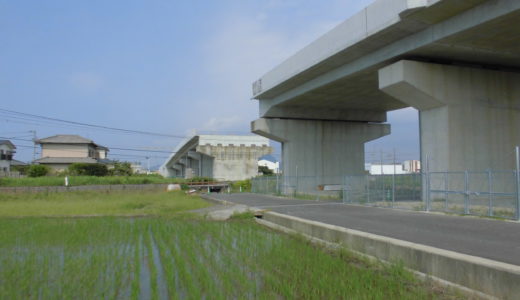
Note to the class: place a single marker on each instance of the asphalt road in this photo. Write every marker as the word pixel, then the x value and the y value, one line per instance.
pixel 493 239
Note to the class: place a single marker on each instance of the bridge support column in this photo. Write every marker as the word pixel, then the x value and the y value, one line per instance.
pixel 322 150
pixel 469 117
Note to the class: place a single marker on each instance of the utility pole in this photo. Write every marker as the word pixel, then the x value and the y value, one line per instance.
pixel 34 142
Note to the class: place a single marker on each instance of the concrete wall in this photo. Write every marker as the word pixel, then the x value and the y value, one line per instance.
pixel 65 150
pixel 111 187
pixel 206 167
pixel 234 162
pixel 477 274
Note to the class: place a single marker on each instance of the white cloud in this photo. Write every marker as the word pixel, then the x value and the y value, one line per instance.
pixel 244 45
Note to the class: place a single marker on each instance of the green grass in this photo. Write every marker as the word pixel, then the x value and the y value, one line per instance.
pixel 86 180
pixel 121 258
pixel 87 203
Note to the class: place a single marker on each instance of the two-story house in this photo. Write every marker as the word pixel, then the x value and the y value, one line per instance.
pixel 7 150
pixel 59 151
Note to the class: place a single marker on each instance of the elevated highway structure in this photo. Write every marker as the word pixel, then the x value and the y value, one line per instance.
pixel 456 62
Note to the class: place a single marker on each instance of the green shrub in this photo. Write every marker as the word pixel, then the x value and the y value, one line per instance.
pixel 265 170
pixel 23 169
pixel 84 169
pixel 200 179
pixel 244 184
pixel 38 170
pixel 121 169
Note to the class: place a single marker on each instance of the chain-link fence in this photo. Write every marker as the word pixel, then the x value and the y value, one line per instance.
pixel 488 193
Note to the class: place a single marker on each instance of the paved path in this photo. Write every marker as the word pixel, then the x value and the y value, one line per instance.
pixel 492 239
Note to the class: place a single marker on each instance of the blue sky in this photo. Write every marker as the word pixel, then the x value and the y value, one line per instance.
pixel 163 66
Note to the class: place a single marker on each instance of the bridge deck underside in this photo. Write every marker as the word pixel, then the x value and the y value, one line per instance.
pixel 494 44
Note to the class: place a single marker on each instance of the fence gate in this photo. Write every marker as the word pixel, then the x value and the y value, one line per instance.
pixel 488 193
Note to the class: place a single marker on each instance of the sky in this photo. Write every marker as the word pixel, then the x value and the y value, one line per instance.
pixel 172 67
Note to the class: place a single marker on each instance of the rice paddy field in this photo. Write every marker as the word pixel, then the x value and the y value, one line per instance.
pixel 94 203
pixel 183 257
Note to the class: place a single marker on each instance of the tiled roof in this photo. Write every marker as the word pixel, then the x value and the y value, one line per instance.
pixel 7 142
pixel 65 139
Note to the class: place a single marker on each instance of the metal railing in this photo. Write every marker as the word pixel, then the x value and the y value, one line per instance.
pixel 487 193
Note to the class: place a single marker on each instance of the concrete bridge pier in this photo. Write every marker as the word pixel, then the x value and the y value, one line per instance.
pixel 322 151
pixel 469 117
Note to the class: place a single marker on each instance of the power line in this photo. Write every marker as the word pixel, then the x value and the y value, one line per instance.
pixel 89 125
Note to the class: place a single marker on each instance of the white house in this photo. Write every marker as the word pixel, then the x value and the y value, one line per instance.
pixel 7 150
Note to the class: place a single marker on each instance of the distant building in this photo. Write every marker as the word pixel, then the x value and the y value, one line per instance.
pixel 269 162
pixel 407 167
pixel 412 166
pixel 223 157
pixel 60 151
pixel 7 151
pixel 137 168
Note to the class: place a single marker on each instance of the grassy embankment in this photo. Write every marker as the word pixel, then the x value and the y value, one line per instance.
pixel 84 180
pixel 91 203
pixel 172 257
pixel 92 180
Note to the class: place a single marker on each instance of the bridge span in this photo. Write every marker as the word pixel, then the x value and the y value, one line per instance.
pixel 456 62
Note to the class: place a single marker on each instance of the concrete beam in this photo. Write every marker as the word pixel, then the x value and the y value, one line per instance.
pixel 469 117
pixel 194 155
pixel 320 113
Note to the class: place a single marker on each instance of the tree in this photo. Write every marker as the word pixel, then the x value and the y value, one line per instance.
pixel 122 169
pixel 265 170
pixel 38 170
pixel 88 169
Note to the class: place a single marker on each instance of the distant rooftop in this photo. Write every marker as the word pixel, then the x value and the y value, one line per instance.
pixel 269 157
pixel 7 142
pixel 68 139
pixel 65 139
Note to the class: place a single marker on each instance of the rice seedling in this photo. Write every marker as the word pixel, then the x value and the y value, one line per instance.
pixel 171 258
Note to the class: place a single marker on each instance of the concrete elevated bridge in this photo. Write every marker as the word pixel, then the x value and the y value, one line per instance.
pixel 456 61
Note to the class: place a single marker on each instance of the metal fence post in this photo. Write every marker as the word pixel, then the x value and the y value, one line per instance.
pixel 466 193
pixel 445 191
pixel 427 184
pixel 393 189
pixel 277 184
pixel 517 156
pixel 490 191
pixel 368 189
pixel 393 184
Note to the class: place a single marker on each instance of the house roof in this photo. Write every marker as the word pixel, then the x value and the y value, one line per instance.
pixel 15 162
pixel 65 160
pixel 7 142
pixel 65 139
pixel 268 157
